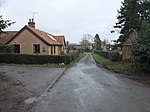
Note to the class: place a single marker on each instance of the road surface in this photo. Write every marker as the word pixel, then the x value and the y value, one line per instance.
pixel 88 88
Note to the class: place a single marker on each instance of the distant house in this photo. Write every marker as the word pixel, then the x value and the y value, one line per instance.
pixel 104 45
pixel 30 40
pixel 74 46
pixel 126 49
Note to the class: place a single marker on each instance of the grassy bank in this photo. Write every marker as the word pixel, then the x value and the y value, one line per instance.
pixel 119 67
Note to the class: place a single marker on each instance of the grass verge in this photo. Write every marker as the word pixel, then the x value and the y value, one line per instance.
pixel 119 67
pixel 81 55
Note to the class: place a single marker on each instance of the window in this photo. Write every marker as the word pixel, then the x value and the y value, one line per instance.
pixel 54 50
pixel 16 48
pixel 36 48
pixel 44 49
pixel 51 49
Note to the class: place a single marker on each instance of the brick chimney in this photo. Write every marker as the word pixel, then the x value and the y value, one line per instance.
pixel 31 23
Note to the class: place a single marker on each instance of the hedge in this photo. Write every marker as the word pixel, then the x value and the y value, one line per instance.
pixel 6 48
pixel 34 59
pixel 74 55
pixel 113 55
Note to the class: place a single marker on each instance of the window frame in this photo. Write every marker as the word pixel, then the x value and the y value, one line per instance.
pixel 36 48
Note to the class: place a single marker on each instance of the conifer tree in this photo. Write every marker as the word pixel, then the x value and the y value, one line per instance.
pixel 128 19
pixel 4 24
pixel 97 42
pixel 134 16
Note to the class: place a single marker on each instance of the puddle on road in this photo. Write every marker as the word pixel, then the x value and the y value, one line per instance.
pixel 30 100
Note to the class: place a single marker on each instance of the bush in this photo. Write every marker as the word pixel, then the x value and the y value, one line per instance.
pixel 141 49
pixel 81 50
pixel 142 56
pixel 74 55
pixel 103 54
pixel 34 59
pixel 6 48
pixel 87 50
pixel 113 56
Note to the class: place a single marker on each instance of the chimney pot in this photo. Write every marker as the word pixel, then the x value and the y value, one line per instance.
pixel 32 20
pixel 31 23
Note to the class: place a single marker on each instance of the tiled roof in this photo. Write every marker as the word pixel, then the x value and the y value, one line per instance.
pixel 49 38
pixel 60 39
pixel 6 36
pixel 44 36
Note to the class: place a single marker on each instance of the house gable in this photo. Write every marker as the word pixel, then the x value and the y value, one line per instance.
pixel 27 28
pixel 132 39
pixel 126 49
pixel 27 40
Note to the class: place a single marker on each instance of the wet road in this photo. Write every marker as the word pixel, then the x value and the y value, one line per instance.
pixel 87 88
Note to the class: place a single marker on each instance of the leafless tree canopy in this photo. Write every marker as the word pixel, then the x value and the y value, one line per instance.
pixel 1 2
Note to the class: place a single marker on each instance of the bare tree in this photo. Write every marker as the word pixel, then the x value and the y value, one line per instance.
pixel 86 40
pixel 1 2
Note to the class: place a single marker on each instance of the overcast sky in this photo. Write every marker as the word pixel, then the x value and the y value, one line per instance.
pixel 71 18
